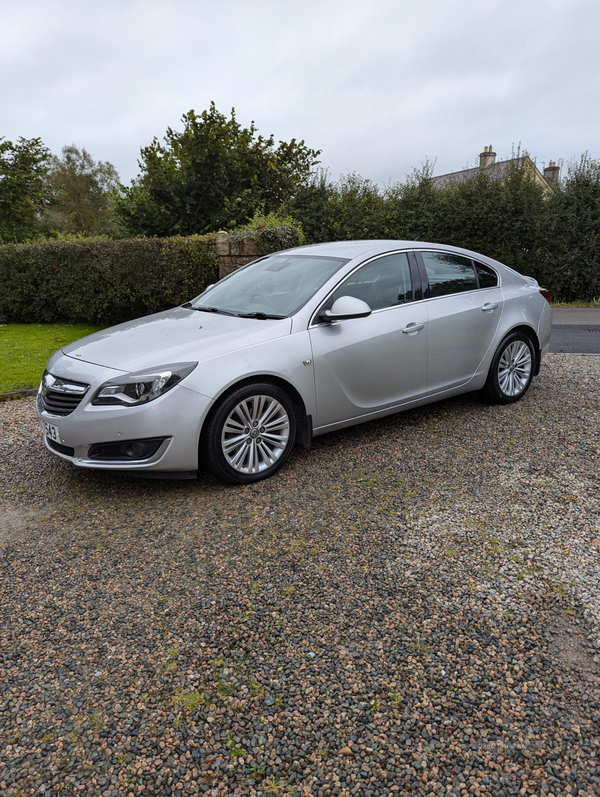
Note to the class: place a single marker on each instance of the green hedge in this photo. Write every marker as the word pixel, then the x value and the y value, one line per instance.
pixel 550 234
pixel 102 281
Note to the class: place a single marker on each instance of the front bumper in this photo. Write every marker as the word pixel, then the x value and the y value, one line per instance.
pixel 177 416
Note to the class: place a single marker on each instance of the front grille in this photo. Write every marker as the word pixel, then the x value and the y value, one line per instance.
pixel 59 396
pixel 67 450
pixel 60 403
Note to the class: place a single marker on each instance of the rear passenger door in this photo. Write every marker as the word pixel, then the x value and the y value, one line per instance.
pixel 464 305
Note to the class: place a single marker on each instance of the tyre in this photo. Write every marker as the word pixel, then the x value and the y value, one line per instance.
pixel 511 370
pixel 249 434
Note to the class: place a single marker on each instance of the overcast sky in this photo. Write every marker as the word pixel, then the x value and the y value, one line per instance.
pixel 380 86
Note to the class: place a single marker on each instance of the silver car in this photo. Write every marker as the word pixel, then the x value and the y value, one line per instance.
pixel 293 345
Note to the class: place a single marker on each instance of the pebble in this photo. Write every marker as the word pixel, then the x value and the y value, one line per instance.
pixel 410 606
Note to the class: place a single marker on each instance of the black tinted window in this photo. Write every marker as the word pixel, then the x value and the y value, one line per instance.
pixel 384 282
pixel 448 273
pixel 487 276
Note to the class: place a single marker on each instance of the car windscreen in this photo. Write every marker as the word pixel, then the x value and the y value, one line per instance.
pixel 276 285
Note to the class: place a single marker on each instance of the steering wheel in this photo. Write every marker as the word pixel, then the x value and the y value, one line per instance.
pixel 261 299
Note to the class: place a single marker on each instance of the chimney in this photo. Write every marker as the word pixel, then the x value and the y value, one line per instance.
pixel 487 157
pixel 551 173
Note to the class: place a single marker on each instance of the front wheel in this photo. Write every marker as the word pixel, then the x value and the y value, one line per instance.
pixel 511 370
pixel 249 434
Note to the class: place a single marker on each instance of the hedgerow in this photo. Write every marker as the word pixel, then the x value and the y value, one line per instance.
pixel 550 233
pixel 102 281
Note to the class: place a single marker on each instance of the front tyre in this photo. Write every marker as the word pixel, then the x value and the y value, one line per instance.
pixel 249 434
pixel 511 370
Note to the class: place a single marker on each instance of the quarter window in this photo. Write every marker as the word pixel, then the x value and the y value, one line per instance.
pixel 384 282
pixel 448 273
pixel 486 275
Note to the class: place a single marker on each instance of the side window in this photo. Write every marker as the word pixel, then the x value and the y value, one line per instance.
pixel 486 275
pixel 384 282
pixel 448 273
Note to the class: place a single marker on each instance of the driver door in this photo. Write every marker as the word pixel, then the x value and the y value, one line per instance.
pixel 365 365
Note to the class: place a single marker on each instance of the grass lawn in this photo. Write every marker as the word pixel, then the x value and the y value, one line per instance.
pixel 24 349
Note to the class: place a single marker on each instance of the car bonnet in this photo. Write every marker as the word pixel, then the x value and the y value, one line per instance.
pixel 178 335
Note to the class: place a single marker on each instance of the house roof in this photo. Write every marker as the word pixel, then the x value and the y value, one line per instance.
pixel 497 170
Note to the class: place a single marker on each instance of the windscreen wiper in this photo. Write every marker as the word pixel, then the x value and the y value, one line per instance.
pixel 260 316
pixel 202 309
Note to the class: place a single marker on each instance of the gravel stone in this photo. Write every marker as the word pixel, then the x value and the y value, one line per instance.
pixel 410 607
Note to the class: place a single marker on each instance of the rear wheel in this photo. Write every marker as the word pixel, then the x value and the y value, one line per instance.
pixel 511 370
pixel 250 433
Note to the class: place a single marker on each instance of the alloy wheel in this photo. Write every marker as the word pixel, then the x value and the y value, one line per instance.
pixel 255 434
pixel 514 368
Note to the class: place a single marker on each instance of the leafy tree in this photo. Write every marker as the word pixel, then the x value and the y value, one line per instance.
pixel 24 190
pixel 85 191
pixel 214 174
pixel 356 208
pixel 312 206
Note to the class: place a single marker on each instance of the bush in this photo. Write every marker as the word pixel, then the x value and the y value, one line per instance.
pixel 351 209
pixel 98 281
pixel 271 232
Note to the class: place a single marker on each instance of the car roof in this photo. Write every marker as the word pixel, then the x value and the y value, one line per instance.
pixel 356 249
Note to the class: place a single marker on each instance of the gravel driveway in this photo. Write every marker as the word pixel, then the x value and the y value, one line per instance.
pixel 411 606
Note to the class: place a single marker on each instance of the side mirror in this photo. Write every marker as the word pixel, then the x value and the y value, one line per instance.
pixel 346 307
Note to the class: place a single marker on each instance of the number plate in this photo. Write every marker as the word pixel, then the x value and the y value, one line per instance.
pixel 51 431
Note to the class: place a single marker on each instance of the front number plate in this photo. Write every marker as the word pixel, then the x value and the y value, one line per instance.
pixel 51 431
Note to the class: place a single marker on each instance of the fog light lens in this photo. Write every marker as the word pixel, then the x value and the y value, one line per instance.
pixel 126 449
pixel 135 451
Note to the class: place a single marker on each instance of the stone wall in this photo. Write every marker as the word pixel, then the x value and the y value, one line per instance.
pixel 234 251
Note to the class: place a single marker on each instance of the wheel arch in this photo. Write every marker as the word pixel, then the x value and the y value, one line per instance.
pixel 532 335
pixel 303 421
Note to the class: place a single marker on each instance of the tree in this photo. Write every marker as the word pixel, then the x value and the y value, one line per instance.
pixel 25 194
pixel 356 208
pixel 213 174
pixel 85 190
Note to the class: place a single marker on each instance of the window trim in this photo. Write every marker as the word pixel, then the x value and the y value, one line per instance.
pixel 415 278
pixel 425 278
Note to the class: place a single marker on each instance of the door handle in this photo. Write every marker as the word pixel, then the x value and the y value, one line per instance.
pixel 488 307
pixel 413 328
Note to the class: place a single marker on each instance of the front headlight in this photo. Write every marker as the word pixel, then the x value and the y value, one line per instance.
pixel 142 386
